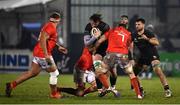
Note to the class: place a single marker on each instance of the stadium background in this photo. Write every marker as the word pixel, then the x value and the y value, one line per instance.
pixel 20 23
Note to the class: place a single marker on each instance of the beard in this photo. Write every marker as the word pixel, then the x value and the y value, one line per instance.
pixel 140 29
pixel 123 25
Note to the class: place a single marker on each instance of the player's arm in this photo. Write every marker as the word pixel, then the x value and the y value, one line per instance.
pixel 131 54
pixel 101 40
pixel 131 48
pixel 43 42
pixel 150 37
pixel 154 41
pixel 88 40
pixel 62 49
pixel 89 35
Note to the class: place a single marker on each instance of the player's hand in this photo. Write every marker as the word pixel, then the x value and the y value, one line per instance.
pixel 48 59
pixel 132 62
pixel 63 50
pixel 144 37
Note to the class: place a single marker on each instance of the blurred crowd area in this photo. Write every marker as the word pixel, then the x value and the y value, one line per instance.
pixel 21 20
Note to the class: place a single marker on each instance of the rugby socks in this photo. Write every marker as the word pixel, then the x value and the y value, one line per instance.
pixel 68 90
pixel 134 83
pixel 104 80
pixel 98 83
pixel 13 84
pixel 113 80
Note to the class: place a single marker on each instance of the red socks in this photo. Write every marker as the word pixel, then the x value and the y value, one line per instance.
pixel 104 80
pixel 135 84
pixel 13 84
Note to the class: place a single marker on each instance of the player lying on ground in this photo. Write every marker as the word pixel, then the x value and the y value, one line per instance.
pixel 83 70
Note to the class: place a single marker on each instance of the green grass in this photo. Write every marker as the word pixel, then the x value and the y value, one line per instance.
pixel 36 91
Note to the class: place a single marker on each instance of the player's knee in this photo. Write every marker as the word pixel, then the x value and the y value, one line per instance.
pixel 53 77
pixel 129 70
pixel 156 66
pixel 99 69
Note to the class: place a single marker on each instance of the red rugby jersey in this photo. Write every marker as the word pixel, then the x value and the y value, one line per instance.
pixel 119 40
pixel 85 62
pixel 50 29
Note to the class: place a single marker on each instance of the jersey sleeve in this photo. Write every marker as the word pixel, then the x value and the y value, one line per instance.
pixel 87 30
pixel 49 29
pixel 107 34
pixel 106 28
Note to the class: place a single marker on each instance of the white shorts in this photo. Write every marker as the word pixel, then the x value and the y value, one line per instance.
pixel 83 76
pixel 42 62
pixel 89 76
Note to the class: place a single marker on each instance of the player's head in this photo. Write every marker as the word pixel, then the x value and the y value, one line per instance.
pixel 140 24
pixel 124 21
pixel 55 17
pixel 95 20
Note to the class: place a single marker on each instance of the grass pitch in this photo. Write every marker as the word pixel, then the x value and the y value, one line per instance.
pixel 36 91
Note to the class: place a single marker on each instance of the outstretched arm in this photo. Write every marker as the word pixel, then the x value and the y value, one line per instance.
pixel 62 49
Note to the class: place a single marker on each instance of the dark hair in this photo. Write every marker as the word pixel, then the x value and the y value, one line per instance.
pixel 55 15
pixel 124 16
pixel 141 20
pixel 96 17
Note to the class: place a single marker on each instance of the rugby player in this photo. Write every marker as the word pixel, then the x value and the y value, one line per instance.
pixel 42 57
pixel 146 42
pixel 119 42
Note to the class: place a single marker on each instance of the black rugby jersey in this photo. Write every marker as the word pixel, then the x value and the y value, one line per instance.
pixel 146 49
pixel 103 27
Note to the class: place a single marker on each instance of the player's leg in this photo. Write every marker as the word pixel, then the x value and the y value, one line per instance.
pixel 134 81
pixel 90 78
pixel 158 70
pixel 109 63
pixel 79 80
pixel 102 74
pixel 113 77
pixel 97 58
pixel 32 72
pixel 54 73
pixel 137 69
pixel 100 70
pixel 149 72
